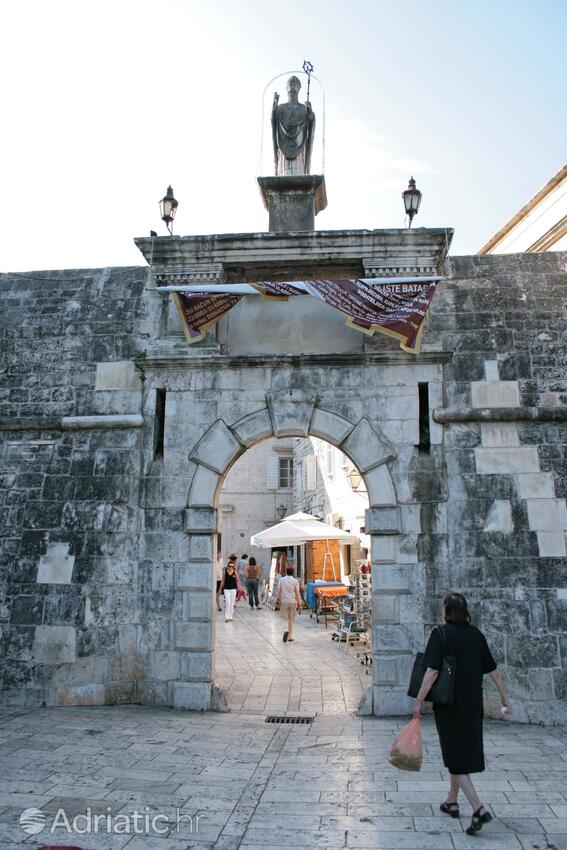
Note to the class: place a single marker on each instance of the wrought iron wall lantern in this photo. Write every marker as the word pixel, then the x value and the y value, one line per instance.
pixel 168 207
pixel 412 200
pixel 354 478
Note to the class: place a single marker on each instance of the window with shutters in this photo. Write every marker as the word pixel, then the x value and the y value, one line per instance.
pixel 285 473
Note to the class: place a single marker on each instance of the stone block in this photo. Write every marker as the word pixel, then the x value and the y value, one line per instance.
pixel 162 546
pixel 366 448
pixel 366 706
pixel 491 370
pixel 495 394
pixel 165 665
pixel 494 434
pixel 551 544
pixel 392 702
pixel 119 375
pixel 54 644
pixel 385 549
pixel 194 576
pixel 328 426
pixel 383 521
pixel 92 694
pixel 499 516
pixel 536 485
pixel 380 487
pixel 411 519
pixel 547 514
pixel 395 579
pixel 400 637
pixel 121 571
pixel 196 666
pixel 506 461
pixel 67 696
pixel 203 488
pixel 385 609
pixel 56 565
pixel 291 411
pixel 192 696
pixel 197 605
pixel 407 549
pixel 201 520
pixel 217 448
pixel 435 401
pixel 162 576
pixel 385 670
pixel 195 635
pixel 391 669
pixel 253 428
pixel 200 547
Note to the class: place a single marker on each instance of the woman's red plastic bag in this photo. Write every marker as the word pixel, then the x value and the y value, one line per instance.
pixel 241 594
pixel 406 752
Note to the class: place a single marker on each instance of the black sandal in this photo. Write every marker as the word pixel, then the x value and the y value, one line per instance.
pixel 450 809
pixel 478 821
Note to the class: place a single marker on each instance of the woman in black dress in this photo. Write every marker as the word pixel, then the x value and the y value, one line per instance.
pixel 459 724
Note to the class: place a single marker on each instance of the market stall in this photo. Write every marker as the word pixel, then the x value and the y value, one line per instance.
pixel 304 528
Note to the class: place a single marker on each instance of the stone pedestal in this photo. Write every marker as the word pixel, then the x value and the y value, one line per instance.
pixel 293 202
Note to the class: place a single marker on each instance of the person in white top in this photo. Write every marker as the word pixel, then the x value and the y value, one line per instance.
pixel 218 576
pixel 290 601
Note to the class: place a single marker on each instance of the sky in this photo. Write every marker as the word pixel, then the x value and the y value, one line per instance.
pixel 105 103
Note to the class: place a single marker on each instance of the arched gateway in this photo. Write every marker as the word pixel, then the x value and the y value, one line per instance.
pixel 288 413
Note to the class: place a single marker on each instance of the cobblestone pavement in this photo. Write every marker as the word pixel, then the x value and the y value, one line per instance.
pixel 258 785
pixel 258 672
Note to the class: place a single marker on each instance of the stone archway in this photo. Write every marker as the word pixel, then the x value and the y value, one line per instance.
pixel 289 412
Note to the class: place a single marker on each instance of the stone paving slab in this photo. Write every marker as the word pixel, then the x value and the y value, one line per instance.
pixel 326 785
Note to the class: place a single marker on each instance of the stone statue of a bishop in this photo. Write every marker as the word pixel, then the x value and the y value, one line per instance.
pixel 293 127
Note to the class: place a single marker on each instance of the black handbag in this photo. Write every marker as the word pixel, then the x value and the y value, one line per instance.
pixel 443 689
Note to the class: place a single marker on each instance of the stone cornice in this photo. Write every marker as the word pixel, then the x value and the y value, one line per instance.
pixel 241 257
pixel 71 423
pixel 222 361
pixel 449 415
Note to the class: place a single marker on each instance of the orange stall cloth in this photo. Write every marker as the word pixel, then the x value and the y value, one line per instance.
pixel 327 596
pixel 337 590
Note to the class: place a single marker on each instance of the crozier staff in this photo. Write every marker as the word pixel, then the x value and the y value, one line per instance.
pixel 459 724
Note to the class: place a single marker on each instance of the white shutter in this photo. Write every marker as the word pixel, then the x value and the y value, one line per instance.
pixel 298 480
pixel 272 473
pixel 330 461
pixel 311 483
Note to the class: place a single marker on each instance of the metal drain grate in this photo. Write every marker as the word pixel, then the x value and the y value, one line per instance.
pixel 274 718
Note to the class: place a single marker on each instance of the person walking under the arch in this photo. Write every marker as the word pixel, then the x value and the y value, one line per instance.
pixel 241 568
pixel 228 587
pixel 218 578
pixel 290 601
pixel 459 724
pixel 253 574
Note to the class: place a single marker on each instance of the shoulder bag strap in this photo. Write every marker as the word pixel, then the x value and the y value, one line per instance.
pixel 441 630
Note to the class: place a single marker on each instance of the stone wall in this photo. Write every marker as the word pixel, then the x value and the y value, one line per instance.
pixel 106 577
pixel 498 532
pixel 69 456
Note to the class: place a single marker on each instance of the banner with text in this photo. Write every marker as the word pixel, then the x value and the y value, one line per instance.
pixel 396 308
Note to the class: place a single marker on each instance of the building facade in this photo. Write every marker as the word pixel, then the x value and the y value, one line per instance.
pixel 540 225
pixel 118 437
pixel 257 493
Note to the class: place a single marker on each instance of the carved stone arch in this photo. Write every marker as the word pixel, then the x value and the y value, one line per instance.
pixel 293 412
